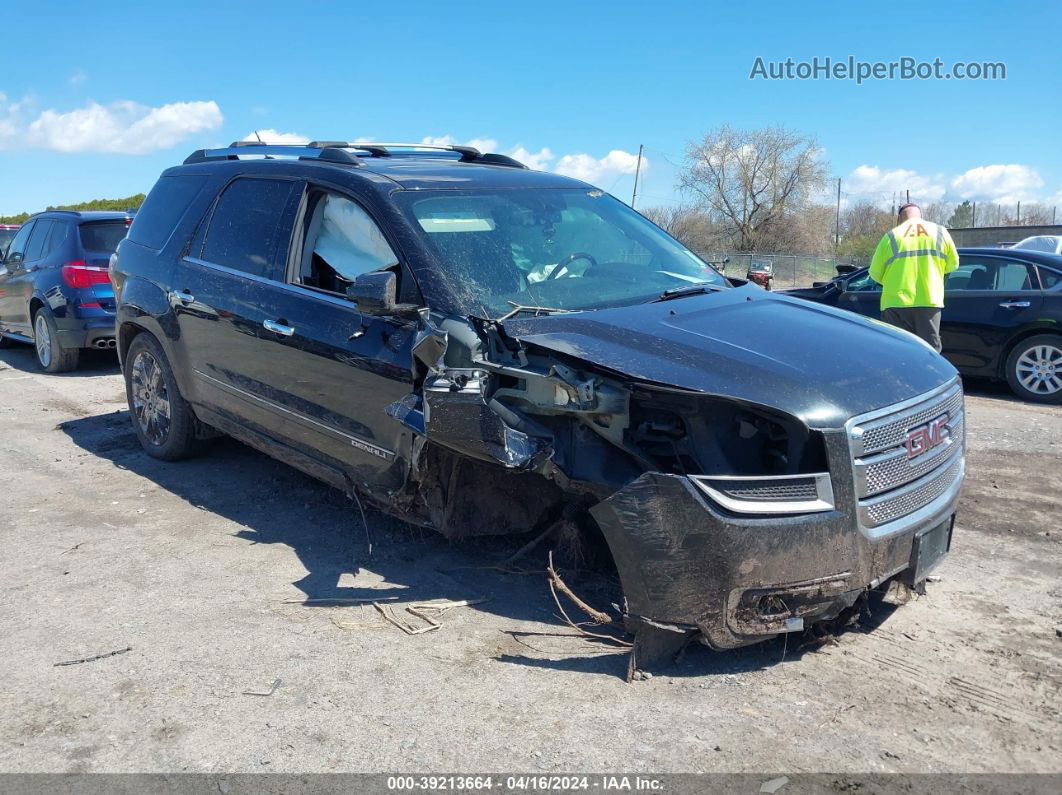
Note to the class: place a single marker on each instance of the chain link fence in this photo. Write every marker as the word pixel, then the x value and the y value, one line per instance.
pixel 790 270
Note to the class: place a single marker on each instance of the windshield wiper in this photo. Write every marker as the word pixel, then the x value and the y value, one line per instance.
pixel 690 289
pixel 537 310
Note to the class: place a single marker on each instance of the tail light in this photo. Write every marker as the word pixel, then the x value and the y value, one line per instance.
pixel 78 274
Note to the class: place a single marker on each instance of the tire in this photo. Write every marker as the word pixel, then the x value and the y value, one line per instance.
pixel 51 356
pixel 1034 369
pixel 163 420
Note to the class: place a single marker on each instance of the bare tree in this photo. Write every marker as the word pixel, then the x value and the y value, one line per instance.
pixel 689 225
pixel 938 212
pixel 750 180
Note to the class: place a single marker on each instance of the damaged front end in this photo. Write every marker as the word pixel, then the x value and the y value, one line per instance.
pixel 728 520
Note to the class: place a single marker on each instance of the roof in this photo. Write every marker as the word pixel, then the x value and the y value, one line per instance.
pixel 1042 257
pixel 87 215
pixel 409 166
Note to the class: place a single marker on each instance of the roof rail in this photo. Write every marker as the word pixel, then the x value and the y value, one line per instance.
pixel 336 151
pixel 469 154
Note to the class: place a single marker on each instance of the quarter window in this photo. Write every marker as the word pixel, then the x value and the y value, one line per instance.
pixel 250 228
pixel 163 208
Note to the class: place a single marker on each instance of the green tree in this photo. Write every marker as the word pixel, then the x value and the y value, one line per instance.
pixel 962 217
pixel 119 205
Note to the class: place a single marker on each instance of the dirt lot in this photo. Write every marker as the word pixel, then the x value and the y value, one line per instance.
pixel 204 568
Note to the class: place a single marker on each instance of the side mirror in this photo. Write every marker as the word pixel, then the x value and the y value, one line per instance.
pixel 375 294
pixel 843 269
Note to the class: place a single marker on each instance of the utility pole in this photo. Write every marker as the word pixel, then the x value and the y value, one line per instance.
pixel 894 202
pixel 1018 222
pixel 908 195
pixel 1054 210
pixel 637 171
pixel 973 220
pixel 837 224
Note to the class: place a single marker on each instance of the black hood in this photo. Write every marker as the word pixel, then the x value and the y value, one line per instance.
pixel 814 362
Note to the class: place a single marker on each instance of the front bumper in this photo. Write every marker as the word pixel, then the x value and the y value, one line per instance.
pixel 689 565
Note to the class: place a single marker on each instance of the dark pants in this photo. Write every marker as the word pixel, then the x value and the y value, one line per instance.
pixel 922 321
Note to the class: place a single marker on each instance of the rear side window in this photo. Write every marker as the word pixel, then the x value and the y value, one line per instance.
pixel 163 208
pixel 102 237
pixel 35 247
pixel 1050 279
pixel 250 228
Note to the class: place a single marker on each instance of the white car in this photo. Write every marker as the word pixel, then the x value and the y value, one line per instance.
pixel 1052 244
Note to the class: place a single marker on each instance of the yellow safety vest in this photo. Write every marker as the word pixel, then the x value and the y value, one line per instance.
pixel 910 263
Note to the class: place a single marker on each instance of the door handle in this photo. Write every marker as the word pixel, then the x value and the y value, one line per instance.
pixel 185 297
pixel 278 328
pixel 1015 305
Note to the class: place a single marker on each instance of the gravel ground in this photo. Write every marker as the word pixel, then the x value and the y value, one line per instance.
pixel 203 569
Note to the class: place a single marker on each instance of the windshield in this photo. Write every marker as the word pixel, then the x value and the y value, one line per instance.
pixel 568 249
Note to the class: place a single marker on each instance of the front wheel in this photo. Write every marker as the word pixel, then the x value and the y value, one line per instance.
pixel 162 418
pixel 1034 369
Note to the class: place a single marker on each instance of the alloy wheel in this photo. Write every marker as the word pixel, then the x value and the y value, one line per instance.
pixel 1039 369
pixel 151 401
pixel 42 339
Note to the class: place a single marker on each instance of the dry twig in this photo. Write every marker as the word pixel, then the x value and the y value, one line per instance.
pixel 95 657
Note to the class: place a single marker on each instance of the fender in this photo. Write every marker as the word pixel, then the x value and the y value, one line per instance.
pixel 145 305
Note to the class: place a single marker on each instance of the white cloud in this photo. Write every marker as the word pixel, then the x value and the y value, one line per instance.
pixel 1004 184
pixel 270 136
pixel 122 127
pixel 580 165
pixel 880 184
pixel 595 169
pixel 78 78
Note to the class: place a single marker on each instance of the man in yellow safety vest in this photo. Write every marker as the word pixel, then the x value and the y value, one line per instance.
pixel 910 263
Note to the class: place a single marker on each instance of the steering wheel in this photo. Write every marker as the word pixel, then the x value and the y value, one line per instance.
pixel 564 263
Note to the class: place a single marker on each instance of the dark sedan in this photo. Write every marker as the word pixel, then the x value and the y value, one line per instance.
pixel 1002 316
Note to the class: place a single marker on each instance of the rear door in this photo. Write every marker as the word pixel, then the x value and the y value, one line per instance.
pixel 986 300
pixel 11 272
pixel 239 250
pixel 333 371
pixel 20 287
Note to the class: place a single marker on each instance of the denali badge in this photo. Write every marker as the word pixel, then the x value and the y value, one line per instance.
pixel 925 437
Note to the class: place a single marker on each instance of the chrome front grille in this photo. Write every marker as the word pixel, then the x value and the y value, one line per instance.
pixel 890 483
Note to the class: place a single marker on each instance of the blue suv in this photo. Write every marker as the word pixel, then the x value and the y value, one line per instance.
pixel 55 291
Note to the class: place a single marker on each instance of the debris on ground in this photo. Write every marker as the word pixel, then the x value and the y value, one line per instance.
pixel 427 612
pixel 272 689
pixel 95 657
pixel 557 584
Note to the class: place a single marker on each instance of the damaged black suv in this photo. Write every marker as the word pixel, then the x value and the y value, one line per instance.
pixel 486 349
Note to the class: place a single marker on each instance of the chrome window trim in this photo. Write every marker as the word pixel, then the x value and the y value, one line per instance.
pixel 823 487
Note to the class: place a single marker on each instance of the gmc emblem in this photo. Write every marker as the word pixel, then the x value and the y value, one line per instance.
pixel 925 437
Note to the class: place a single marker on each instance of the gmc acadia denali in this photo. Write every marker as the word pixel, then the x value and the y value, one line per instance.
pixel 485 349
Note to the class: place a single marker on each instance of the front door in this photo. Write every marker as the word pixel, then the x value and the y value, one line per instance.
pixel 862 295
pixel 333 370
pixel 14 303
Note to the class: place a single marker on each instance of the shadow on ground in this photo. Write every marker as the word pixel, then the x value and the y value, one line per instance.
pixel 276 504
pixel 91 363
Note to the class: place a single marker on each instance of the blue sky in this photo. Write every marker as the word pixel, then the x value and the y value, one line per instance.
pixel 579 79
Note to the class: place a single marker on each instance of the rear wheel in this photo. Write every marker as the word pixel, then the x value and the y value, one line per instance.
pixel 1034 369
pixel 52 357
pixel 162 418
